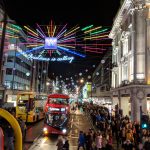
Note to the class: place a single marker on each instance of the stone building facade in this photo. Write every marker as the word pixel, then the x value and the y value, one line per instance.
pixel 131 58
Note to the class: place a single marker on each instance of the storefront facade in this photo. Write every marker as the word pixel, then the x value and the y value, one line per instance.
pixel 131 58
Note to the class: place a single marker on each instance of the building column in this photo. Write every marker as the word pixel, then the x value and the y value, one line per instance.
pixel 140 44
pixel 133 45
pixel 147 60
pixel 138 98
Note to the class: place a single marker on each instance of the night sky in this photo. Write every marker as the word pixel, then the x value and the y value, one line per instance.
pixel 73 12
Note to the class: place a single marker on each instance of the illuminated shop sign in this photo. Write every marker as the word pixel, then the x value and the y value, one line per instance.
pixel 50 43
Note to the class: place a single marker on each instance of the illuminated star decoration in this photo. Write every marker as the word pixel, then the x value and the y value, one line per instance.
pixel 54 42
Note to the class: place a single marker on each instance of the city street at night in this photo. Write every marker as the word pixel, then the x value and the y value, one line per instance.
pixel 75 75
pixel 79 122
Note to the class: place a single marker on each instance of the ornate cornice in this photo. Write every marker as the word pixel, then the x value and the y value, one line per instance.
pixel 121 13
pixel 127 6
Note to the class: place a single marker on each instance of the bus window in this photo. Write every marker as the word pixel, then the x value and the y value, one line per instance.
pixel 58 101
pixel 56 119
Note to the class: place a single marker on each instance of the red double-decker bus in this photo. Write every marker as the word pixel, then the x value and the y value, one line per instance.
pixel 57 114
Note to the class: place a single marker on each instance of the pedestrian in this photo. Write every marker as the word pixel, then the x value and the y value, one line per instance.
pixel 147 144
pixel 89 141
pixel 59 144
pixel 66 145
pixel 23 127
pixel 81 140
pixel 99 141
pixel 10 135
pixel 128 145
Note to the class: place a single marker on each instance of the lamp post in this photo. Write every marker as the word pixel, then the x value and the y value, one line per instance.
pixel 82 80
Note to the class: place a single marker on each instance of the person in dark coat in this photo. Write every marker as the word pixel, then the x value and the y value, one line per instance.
pixel 10 135
pixel 66 145
pixel 147 144
pixel 59 144
pixel 128 145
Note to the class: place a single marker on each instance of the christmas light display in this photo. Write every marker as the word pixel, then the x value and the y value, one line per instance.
pixel 46 42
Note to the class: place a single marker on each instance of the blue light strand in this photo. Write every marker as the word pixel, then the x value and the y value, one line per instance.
pixel 33 49
pixel 70 51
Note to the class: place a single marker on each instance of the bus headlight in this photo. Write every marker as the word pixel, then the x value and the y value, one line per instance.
pixel 45 130
pixel 64 131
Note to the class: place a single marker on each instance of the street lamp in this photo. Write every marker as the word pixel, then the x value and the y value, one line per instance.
pixel 28 74
pixel 82 80
pixel 80 74
pixel 47 83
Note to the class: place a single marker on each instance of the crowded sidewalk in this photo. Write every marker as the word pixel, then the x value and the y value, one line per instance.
pixel 113 132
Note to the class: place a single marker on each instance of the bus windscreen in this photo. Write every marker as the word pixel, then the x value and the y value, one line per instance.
pixel 56 120
pixel 58 101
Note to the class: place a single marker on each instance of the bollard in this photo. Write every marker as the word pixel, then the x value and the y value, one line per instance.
pixel 1 139
pixel 16 127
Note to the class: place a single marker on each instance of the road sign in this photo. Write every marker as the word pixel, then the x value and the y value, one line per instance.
pixel 1 139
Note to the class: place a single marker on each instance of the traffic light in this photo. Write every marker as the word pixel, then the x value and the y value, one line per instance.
pixel 145 122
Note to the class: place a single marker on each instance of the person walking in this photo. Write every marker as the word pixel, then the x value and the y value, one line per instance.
pixel 99 141
pixel 10 135
pixel 81 140
pixel 128 145
pixel 89 141
pixel 23 127
pixel 59 144
pixel 66 145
